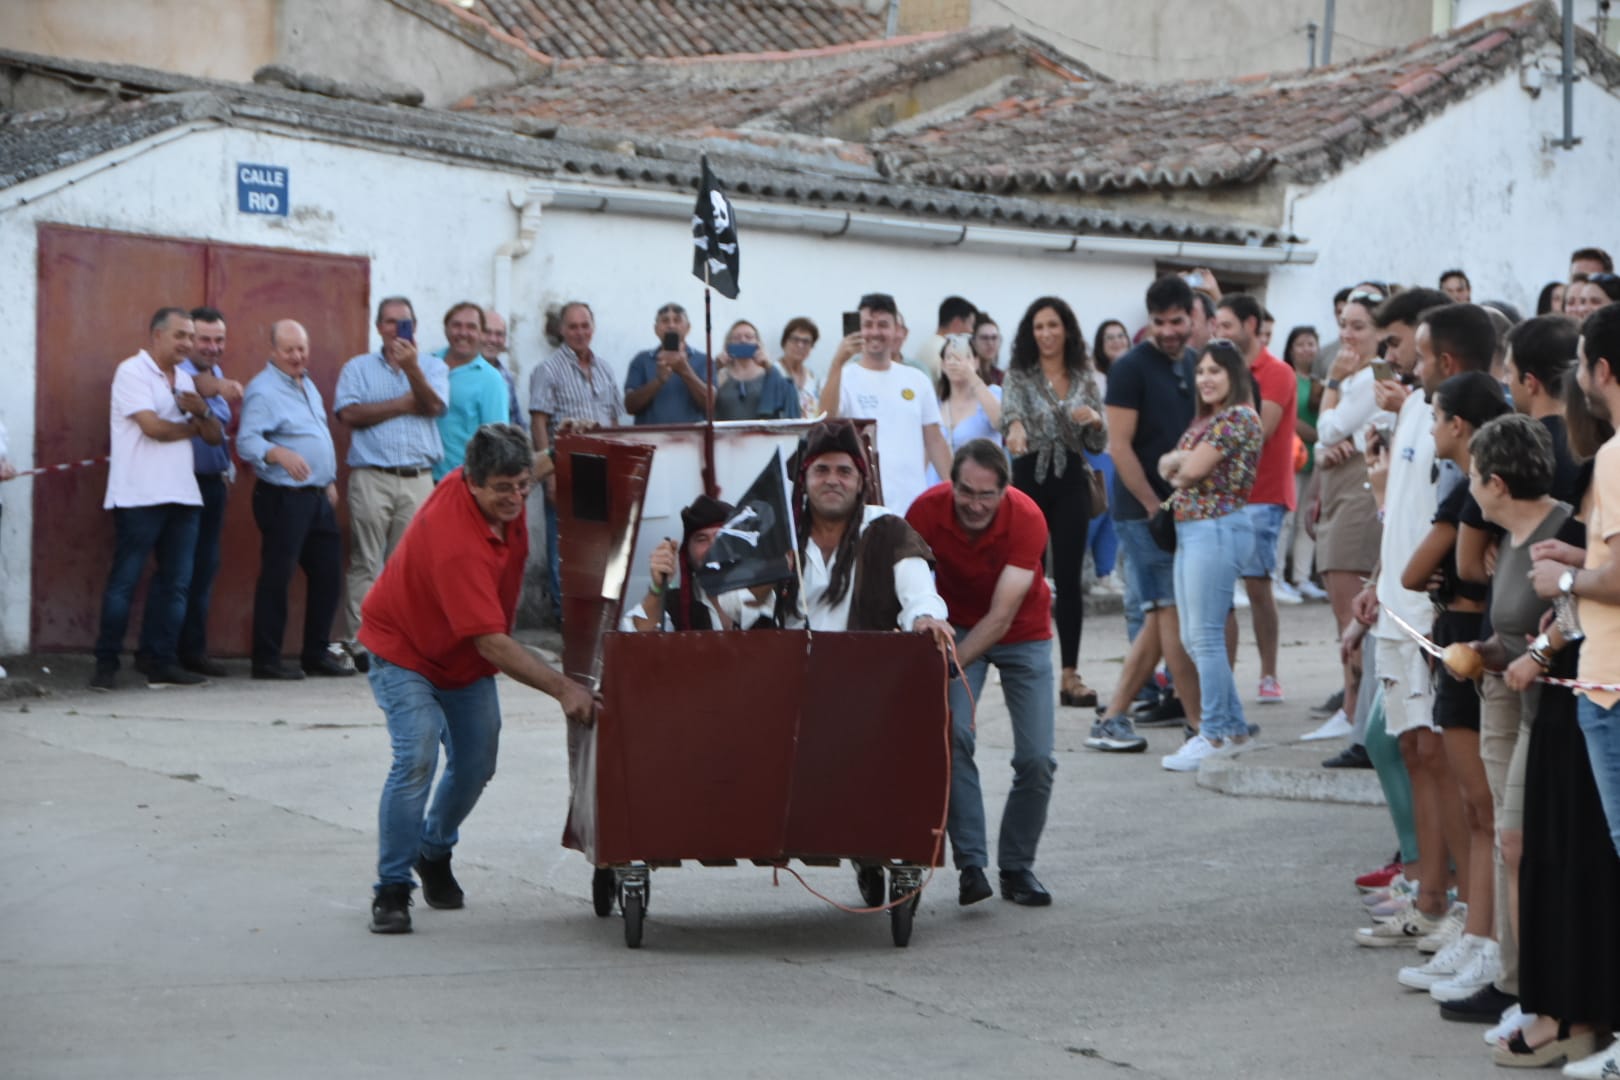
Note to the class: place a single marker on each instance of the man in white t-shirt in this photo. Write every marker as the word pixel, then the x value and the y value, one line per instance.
pixel 153 494
pixel 899 398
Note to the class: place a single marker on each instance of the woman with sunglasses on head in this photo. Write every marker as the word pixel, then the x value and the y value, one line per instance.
pixel 1051 415
pixel 754 389
pixel 1348 532
pixel 1212 470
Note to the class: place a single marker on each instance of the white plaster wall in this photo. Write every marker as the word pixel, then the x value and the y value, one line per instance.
pixel 1477 187
pixel 431 230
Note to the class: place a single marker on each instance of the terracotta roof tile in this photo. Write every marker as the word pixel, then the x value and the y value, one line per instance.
pixel 635 29
pixel 1103 136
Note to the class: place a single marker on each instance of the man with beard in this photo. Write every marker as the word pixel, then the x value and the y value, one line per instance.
pixel 1150 403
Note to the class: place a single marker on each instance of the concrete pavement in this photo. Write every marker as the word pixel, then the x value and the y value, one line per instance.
pixel 188 878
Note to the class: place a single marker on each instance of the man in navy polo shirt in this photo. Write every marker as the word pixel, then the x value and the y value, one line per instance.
pixel 988 541
pixel 1150 403
pixel 668 386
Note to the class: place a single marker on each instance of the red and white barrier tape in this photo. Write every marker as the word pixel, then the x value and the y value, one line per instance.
pixel 1438 653
pixel 66 466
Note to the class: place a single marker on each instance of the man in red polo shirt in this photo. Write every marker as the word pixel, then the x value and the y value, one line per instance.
pixel 1238 319
pixel 988 541
pixel 437 624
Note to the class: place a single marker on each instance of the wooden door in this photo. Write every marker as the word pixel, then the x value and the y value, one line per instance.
pixel 97 291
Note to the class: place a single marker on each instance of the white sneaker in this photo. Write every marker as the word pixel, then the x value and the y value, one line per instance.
pixel 1398 886
pixel 1336 726
pixel 1603 1065
pixel 1403 929
pixel 1514 1019
pixel 2 671
pixel 1286 594
pixel 1451 928
pixel 1198 749
pixel 1442 965
pixel 1484 968
pixel 1240 596
pixel 1311 591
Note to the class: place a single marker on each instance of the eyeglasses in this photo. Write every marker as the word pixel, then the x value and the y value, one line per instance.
pixel 801 339
pixel 520 489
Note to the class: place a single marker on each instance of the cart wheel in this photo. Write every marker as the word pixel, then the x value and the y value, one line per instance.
pixel 900 923
pixel 634 911
pixel 870 881
pixel 603 888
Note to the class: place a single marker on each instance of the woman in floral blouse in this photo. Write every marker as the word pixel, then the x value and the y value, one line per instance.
pixel 1051 415
pixel 1212 469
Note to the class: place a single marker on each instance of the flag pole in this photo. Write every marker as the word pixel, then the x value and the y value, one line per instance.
pixel 710 486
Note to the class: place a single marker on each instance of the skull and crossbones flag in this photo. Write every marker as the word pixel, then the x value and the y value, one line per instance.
pixel 753 546
pixel 714 237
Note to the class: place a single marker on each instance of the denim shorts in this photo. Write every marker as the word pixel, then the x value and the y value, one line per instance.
pixel 1151 571
pixel 1267 519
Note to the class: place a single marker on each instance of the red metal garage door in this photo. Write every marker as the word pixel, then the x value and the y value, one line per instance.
pixel 96 292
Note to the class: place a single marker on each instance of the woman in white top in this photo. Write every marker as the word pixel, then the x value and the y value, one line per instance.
pixel 1347 531
pixel 799 336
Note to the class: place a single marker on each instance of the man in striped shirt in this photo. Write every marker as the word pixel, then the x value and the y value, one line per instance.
pixel 574 388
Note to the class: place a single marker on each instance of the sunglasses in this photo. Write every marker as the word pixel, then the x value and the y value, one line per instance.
pixel 1366 296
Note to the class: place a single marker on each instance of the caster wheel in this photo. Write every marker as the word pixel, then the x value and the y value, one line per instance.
pixel 900 923
pixel 870 881
pixel 634 912
pixel 603 888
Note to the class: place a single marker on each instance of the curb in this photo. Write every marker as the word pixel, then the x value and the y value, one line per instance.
pixel 1244 778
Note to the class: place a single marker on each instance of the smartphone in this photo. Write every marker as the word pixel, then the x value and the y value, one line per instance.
pixel 959 344
pixel 1384 371
pixel 672 341
pixel 406 329
pixel 852 323
pixel 1194 279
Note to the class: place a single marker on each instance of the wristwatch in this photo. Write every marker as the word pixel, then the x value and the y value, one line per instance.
pixel 1333 384
pixel 1566 582
pixel 1539 650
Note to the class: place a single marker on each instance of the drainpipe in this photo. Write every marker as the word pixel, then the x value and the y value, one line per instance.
pixel 1310 37
pixel 530 204
pixel 893 26
pixel 1569 141
pixel 1327 35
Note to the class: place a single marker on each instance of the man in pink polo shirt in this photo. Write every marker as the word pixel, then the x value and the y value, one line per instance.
pixel 988 540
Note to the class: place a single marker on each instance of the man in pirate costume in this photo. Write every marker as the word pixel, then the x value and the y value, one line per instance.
pixel 686 605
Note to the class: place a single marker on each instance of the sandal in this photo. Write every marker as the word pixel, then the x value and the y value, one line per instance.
pixel 1515 1053
pixel 1076 693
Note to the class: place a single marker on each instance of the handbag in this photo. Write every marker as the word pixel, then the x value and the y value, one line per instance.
pixel 1162 527
pixel 1099 491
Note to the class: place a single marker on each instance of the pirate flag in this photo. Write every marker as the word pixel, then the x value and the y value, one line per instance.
pixel 714 237
pixel 753 545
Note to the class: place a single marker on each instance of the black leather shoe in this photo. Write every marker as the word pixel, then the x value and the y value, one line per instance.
pixel 276 671
pixel 205 665
pixel 391 910
pixel 1485 1006
pixel 1353 756
pixel 439 886
pixel 329 668
pixel 974 886
pixel 1022 887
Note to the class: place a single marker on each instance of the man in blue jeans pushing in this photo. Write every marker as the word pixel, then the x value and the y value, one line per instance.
pixel 436 640
pixel 988 541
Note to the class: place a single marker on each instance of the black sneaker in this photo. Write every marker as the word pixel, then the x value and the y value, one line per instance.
pixel 275 672
pixel 1353 756
pixel 161 675
pixel 1484 1006
pixel 105 679
pixel 330 667
pixel 205 665
pixel 391 910
pixel 439 887
pixel 1168 713
pixel 1333 704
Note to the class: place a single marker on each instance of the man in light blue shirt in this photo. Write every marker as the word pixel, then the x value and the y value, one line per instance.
pixel 478 393
pixel 391 400
pixel 285 438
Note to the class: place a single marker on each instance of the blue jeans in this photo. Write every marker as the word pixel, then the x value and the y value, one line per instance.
pixel 1265 520
pixel 204 565
pixel 1030 694
pixel 1149 569
pixel 420 717
pixel 1602 730
pixel 1101 538
pixel 168 531
pixel 1209 553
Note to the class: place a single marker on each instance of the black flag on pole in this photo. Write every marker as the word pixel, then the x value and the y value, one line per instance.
pixel 714 237
pixel 753 545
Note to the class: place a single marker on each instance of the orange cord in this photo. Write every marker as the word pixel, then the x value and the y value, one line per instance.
pixel 939 833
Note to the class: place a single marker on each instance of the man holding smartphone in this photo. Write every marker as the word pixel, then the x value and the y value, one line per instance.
pixel 669 384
